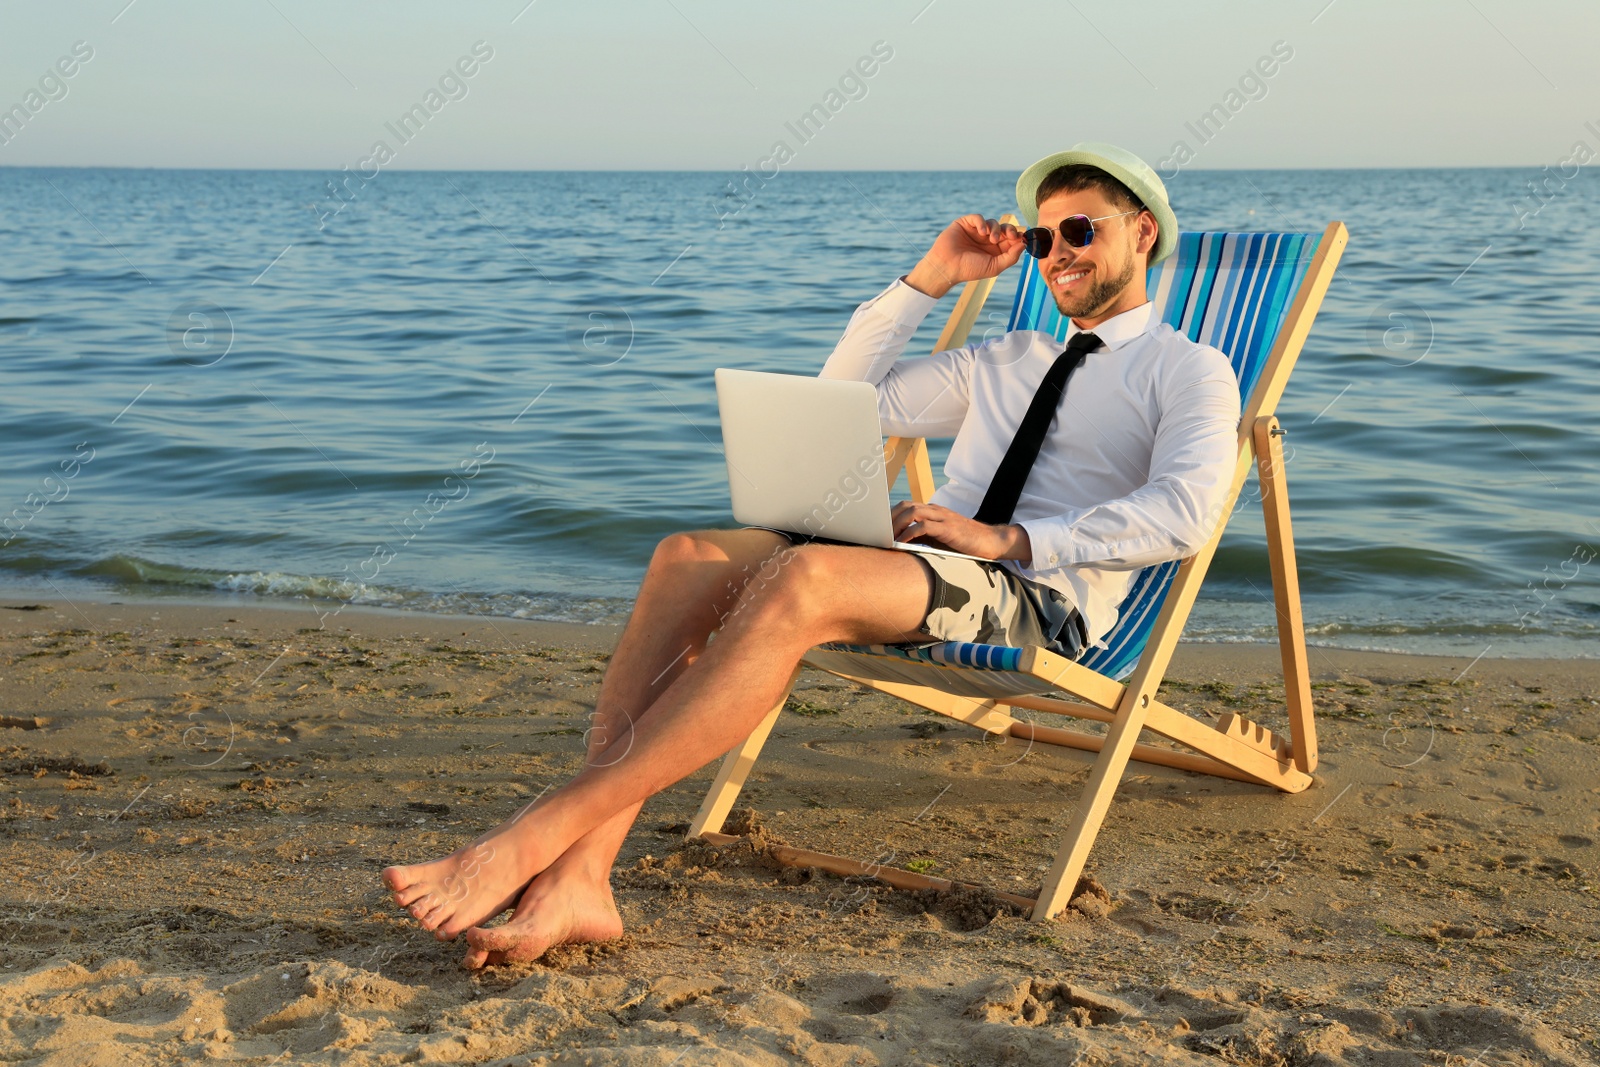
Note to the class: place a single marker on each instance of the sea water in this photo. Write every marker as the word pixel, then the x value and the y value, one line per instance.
pixel 492 392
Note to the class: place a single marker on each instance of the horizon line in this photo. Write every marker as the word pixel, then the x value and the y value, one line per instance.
pixel 719 170
pixel 672 170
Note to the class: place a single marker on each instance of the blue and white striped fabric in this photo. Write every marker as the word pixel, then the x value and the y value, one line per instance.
pixel 1227 290
pixel 952 654
pixel 960 667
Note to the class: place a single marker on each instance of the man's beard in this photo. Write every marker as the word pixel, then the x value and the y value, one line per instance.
pixel 1098 295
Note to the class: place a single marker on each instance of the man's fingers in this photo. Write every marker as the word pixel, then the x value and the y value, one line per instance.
pixel 978 227
pixel 920 520
pixel 909 514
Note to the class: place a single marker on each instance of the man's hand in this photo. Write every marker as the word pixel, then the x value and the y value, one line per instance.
pixel 943 528
pixel 970 247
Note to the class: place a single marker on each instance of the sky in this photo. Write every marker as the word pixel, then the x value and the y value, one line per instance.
pixel 717 84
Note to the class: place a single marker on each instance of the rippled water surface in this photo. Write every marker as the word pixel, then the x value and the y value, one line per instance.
pixel 491 392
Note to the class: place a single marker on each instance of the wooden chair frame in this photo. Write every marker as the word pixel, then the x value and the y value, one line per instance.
pixel 1233 748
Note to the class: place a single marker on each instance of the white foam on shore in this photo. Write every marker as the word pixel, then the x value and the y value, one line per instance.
pixel 328 594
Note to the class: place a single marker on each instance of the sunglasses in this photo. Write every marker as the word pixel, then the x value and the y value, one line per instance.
pixel 1076 230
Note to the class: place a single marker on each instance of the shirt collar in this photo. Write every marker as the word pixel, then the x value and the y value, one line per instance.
pixel 1120 329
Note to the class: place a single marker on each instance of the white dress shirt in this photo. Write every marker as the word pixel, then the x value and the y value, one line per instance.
pixel 1134 469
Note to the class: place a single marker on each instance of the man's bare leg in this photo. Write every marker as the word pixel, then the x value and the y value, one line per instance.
pixel 822 593
pixel 692 582
pixel 571 901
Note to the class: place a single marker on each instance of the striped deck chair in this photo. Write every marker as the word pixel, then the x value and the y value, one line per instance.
pixel 1254 297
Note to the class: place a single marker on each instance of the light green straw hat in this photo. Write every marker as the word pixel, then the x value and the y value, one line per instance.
pixel 1122 165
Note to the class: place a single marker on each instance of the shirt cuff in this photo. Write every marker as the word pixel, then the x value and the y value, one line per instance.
pixel 901 304
pixel 1057 542
pixel 1052 543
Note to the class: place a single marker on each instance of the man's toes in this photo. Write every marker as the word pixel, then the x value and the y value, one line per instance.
pixel 486 947
pixel 525 951
pixel 429 912
pixel 396 878
pixel 451 928
pixel 506 944
pixel 492 939
pixel 407 895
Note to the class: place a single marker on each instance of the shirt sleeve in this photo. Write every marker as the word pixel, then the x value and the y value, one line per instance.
pixel 920 397
pixel 1175 512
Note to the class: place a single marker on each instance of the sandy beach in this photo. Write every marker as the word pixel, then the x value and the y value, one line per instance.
pixel 198 800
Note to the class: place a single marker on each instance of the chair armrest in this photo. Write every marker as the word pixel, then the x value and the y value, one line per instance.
pixel 910 453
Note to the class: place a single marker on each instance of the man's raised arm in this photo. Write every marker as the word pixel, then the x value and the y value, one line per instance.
pixel 928 395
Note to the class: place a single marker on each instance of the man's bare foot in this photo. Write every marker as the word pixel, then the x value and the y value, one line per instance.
pixel 466 888
pixel 556 909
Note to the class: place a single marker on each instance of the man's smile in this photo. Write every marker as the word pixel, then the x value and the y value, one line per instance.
pixel 1068 277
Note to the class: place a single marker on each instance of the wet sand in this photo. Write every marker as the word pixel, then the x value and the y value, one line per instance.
pixel 197 801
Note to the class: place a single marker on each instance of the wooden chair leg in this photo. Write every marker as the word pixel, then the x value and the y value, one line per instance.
pixel 735 769
pixel 1102 786
pixel 1286 593
pixel 1132 708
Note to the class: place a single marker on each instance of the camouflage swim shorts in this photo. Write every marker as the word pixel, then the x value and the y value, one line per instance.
pixel 983 602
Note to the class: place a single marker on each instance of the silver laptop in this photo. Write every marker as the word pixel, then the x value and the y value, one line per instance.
pixel 805 455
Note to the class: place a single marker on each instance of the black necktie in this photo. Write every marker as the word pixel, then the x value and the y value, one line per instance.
pixel 1005 488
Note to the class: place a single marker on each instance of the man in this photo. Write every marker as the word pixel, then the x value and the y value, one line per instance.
pixel 1069 491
